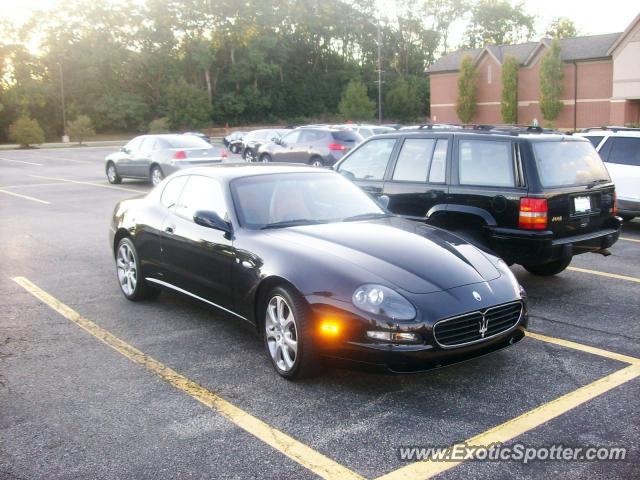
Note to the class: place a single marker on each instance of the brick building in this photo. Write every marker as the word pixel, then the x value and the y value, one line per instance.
pixel 601 80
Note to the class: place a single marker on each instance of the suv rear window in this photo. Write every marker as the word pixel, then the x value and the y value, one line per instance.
pixel 594 139
pixel 486 163
pixel 568 163
pixel 187 141
pixel 346 136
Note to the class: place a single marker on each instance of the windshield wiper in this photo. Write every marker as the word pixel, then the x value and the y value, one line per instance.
pixel 365 216
pixel 292 223
pixel 596 182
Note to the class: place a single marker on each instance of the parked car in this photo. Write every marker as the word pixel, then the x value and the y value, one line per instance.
pixel 233 141
pixel 253 140
pixel 153 157
pixel 619 148
pixel 536 199
pixel 317 146
pixel 316 268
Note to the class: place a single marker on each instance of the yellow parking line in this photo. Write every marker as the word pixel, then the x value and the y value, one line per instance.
pixel 522 424
pixel 627 239
pixel 585 348
pixel 605 274
pixel 113 187
pixel 27 197
pixel 20 161
pixel 292 448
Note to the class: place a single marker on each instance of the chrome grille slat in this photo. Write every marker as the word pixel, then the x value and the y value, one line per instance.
pixel 465 329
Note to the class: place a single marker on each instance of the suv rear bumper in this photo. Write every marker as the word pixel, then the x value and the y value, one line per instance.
pixel 538 247
pixel 628 207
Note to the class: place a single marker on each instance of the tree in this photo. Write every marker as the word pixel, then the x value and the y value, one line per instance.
pixel 467 104
pixel 159 125
pixel 80 129
pixel 561 27
pixel 187 106
pixel 401 101
pixel 26 131
pixel 498 23
pixel 355 103
pixel 509 100
pixel 551 83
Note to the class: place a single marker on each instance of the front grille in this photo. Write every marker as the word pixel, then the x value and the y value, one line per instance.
pixel 477 326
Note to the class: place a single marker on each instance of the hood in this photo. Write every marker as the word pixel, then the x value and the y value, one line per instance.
pixel 414 257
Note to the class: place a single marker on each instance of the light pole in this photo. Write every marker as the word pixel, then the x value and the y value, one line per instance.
pixel 64 116
pixel 379 73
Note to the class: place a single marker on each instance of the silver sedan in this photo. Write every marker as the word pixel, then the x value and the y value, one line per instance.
pixel 153 157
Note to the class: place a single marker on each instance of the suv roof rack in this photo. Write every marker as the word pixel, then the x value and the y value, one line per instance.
pixel 506 129
pixel 611 128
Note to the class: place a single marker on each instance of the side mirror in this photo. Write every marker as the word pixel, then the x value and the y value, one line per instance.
pixel 124 150
pixel 383 201
pixel 210 219
pixel 347 174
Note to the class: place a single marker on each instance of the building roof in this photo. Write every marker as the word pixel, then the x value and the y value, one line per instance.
pixel 572 49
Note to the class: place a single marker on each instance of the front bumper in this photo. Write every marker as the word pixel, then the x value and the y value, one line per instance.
pixel 352 346
pixel 538 247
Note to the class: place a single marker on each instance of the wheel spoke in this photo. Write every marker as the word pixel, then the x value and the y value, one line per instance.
pixel 286 356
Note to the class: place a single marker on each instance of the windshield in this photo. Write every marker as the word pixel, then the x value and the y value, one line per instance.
pixel 568 163
pixel 299 198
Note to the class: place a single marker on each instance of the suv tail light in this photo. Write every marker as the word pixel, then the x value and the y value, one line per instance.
pixel 533 213
pixel 179 155
pixel 614 209
pixel 337 147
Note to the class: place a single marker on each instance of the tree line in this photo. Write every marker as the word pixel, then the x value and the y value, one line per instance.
pixel 189 64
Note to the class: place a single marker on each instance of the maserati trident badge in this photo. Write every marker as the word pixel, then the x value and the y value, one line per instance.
pixel 477 296
pixel 484 325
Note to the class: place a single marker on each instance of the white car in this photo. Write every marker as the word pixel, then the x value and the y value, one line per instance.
pixel 620 151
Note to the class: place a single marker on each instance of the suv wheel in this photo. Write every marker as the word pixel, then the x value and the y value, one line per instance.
pixel 288 334
pixel 549 269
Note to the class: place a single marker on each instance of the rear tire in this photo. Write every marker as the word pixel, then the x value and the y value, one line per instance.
pixel 132 284
pixel 112 174
pixel 549 269
pixel 287 330
pixel 316 162
pixel 265 158
pixel 155 175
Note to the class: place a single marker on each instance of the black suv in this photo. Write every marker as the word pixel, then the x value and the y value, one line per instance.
pixel 533 197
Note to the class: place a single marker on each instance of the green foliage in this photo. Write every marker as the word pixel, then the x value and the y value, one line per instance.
pixel 551 83
pixel 159 125
pixel 355 103
pixel 80 129
pixel 26 131
pixel 401 101
pixel 509 99
pixel 561 27
pixel 187 106
pixel 498 23
pixel 467 103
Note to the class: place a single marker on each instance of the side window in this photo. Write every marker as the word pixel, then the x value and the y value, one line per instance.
pixel 369 162
pixel 485 163
pixel 606 149
pixel 625 150
pixel 147 145
pixel 291 137
pixel 310 136
pixel 414 159
pixel 172 190
pixel 594 139
pixel 201 193
pixel 439 162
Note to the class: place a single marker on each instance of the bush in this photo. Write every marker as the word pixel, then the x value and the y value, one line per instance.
pixel 159 125
pixel 80 129
pixel 355 103
pixel 26 131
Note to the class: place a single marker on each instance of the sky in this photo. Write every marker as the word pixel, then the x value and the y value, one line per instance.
pixel 590 16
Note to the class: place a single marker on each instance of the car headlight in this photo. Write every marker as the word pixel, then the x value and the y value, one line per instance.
pixel 382 300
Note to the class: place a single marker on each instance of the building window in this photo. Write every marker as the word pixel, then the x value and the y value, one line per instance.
pixel 489 73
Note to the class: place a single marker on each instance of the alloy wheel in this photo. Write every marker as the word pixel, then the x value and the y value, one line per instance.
pixel 127 271
pixel 156 176
pixel 282 333
pixel 111 173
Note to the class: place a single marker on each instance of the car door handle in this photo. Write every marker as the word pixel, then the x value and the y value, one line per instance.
pixel 170 229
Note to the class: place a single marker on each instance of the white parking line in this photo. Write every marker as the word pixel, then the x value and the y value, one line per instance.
pixel 20 161
pixel 25 197
pixel 35 185
pixel 46 157
pixel 113 187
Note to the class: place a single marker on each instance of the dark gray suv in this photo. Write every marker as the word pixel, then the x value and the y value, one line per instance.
pixel 318 146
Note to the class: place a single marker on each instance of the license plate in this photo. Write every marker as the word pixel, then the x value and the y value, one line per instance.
pixel 581 204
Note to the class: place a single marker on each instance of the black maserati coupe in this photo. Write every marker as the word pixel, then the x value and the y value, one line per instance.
pixel 317 267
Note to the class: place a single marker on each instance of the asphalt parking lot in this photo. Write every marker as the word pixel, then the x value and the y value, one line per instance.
pixel 94 386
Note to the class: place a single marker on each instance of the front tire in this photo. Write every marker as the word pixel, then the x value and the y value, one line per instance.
pixel 549 269
pixel 131 282
pixel 112 174
pixel 249 156
pixel 288 334
pixel 155 175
